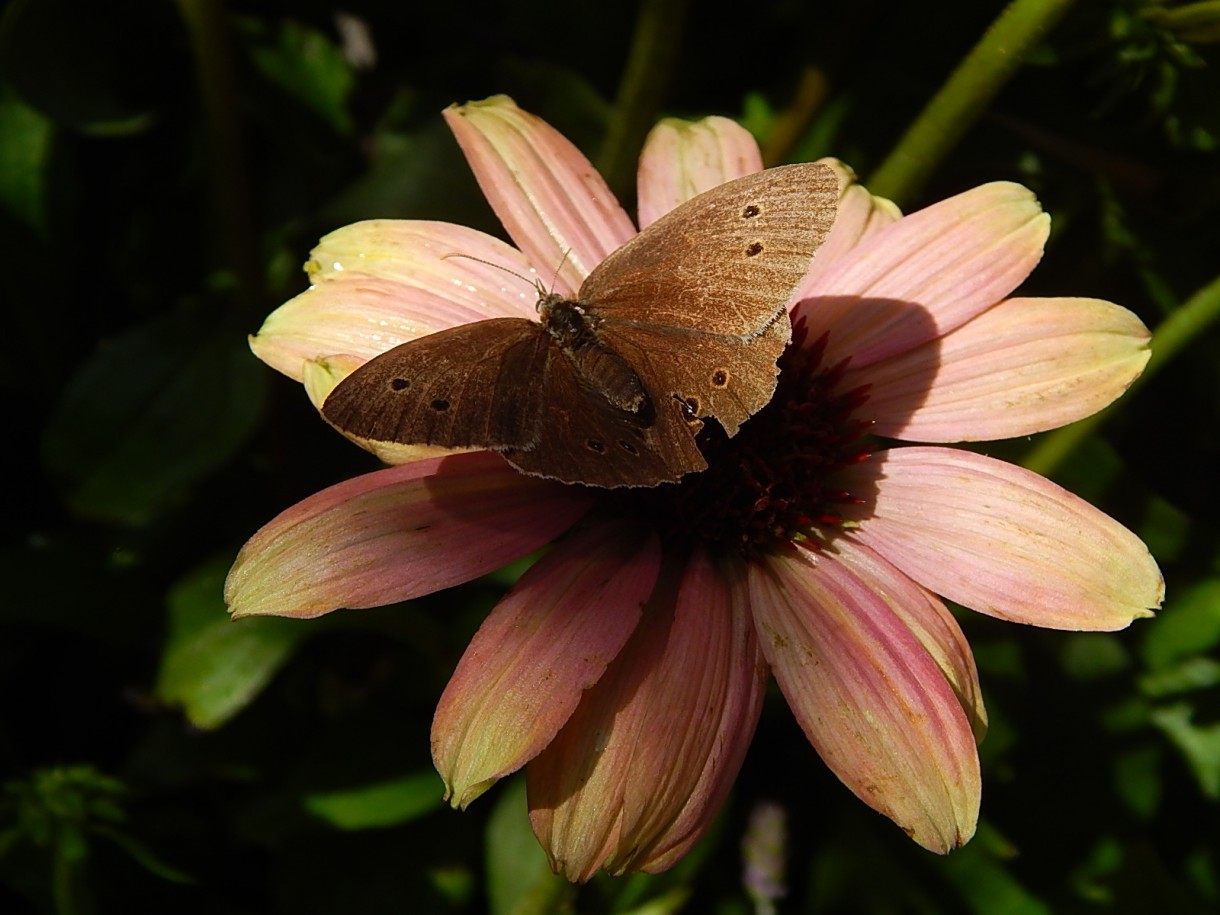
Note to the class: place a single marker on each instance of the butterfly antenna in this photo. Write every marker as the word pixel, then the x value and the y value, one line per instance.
pixel 563 260
pixel 536 283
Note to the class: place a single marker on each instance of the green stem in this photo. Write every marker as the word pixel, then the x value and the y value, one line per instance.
pixel 964 97
pixel 654 48
pixel 207 23
pixel 1175 332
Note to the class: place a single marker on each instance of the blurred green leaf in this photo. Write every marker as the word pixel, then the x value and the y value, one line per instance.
pixel 1093 655
pixel 152 412
pixel 980 874
pixel 382 804
pixel 213 666
pixel 25 147
pixel 306 64
pixel 519 879
pixel 1199 744
pixel 1137 776
pixel 1189 625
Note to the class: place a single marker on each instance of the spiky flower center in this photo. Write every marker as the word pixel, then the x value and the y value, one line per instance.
pixel 774 481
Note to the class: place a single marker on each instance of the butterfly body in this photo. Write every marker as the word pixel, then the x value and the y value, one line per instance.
pixel 684 322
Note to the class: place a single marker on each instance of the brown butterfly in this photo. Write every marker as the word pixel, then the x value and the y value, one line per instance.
pixel 685 321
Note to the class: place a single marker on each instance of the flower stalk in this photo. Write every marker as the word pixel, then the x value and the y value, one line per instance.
pixel 964 97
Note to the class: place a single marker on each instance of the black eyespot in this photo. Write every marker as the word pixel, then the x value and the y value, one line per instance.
pixel 440 406
pixel 750 212
pixel 629 448
pixel 754 249
pixel 720 378
pixel 400 384
pixel 595 446
pixel 690 406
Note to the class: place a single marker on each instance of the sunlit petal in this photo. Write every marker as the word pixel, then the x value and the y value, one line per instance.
pixel 382 282
pixel 928 619
pixel 1025 366
pixel 682 159
pixel 395 534
pixel 1003 541
pixel 639 771
pixel 860 215
pixel 546 642
pixel 926 274
pixel 552 202
pixel 870 698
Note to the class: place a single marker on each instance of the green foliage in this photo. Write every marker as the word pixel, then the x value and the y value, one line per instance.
pixel 165 169
pixel 213 666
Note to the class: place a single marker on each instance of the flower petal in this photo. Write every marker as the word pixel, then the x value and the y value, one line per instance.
pixel 869 697
pixel 396 534
pixel 383 282
pixel 928 619
pixel 1001 540
pixel 1025 366
pixel 682 159
pixel 860 215
pixel 552 202
pixel 544 644
pixel 926 274
pixel 638 773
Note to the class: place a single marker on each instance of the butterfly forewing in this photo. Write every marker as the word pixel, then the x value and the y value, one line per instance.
pixel 721 376
pixel 725 262
pixel 475 385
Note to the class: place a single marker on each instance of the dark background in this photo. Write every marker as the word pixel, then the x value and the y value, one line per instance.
pixel 165 169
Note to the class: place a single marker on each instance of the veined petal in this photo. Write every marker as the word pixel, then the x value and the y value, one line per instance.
pixel 544 644
pixel 860 215
pixel 638 773
pixel 1003 541
pixel 869 697
pixel 682 159
pixel 1025 366
pixel 928 619
pixel 926 274
pixel 383 282
pixel 396 534
pixel 551 200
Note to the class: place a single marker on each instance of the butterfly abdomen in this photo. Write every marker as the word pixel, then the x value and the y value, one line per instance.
pixel 606 373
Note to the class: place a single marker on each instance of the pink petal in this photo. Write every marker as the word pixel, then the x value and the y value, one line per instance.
pixel 926 274
pixel 869 697
pixel 928 619
pixel 859 217
pixel 383 282
pixel 1001 540
pixel 396 534
pixel 544 644
pixel 638 773
pixel 552 202
pixel 1025 366
pixel 682 159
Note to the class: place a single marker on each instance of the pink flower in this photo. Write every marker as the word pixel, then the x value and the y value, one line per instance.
pixel 627 667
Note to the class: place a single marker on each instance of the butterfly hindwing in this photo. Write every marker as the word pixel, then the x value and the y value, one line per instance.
pixel 585 438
